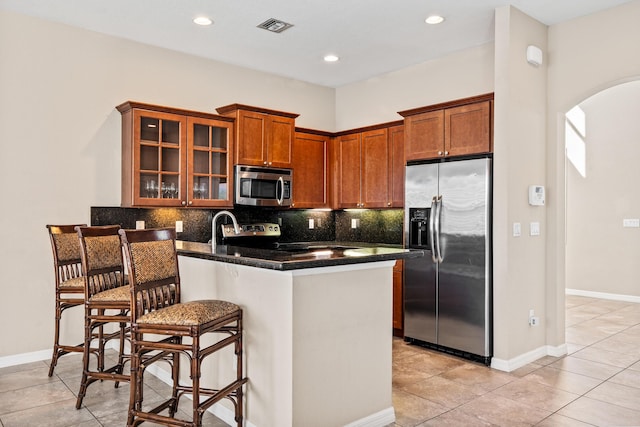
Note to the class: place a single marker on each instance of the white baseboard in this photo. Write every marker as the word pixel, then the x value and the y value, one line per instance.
pixel 603 295
pixel 20 359
pixel 379 419
pixel 529 357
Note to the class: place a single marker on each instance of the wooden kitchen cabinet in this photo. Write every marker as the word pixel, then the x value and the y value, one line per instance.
pixel 456 128
pixel 398 298
pixel 263 137
pixel 173 157
pixel 370 168
pixel 311 170
pixel 397 164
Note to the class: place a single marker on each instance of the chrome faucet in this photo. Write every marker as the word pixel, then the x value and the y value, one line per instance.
pixel 236 228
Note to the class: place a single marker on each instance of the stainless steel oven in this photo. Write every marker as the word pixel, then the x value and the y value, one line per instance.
pixel 256 186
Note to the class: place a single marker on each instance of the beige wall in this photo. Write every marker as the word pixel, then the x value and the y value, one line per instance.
pixel 60 142
pixel 601 254
pixel 378 100
pixel 586 55
pixel 519 161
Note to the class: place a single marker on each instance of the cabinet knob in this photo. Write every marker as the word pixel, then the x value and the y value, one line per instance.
pixel 270 163
pixel 446 153
pixel 439 153
pixel 184 203
pixel 389 204
pixel 190 202
pixel 264 163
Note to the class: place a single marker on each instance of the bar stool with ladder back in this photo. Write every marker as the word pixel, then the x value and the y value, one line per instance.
pixel 160 322
pixel 107 301
pixel 68 280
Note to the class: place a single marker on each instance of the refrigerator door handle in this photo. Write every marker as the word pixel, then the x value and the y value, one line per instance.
pixel 434 204
pixel 437 227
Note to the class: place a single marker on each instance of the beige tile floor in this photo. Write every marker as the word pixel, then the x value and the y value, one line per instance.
pixel 596 384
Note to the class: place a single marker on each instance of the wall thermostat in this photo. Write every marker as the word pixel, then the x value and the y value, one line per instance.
pixel 536 195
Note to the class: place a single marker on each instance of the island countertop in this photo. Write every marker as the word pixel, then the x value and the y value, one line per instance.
pixel 305 255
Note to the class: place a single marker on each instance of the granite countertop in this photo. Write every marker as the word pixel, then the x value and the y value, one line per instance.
pixel 298 255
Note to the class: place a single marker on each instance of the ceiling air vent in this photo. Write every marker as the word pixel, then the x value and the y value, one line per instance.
pixel 274 25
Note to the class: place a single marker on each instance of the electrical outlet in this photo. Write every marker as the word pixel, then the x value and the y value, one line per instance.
pixel 318 222
pixel 533 319
pixel 311 224
pixel 355 222
pixel 139 225
pixel 178 226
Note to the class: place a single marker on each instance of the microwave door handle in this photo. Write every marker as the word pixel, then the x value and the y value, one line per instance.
pixel 281 187
pixel 432 214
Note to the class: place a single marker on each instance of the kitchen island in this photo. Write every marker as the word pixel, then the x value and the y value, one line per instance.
pixel 318 331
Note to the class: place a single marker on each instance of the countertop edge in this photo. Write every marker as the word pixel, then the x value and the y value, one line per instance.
pixel 203 251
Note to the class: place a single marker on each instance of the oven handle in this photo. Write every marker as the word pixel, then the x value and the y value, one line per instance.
pixel 281 186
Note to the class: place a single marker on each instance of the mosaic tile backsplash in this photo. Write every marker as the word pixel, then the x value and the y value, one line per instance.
pixel 372 226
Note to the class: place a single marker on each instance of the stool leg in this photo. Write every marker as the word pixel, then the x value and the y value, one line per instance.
pixel 120 367
pixel 175 375
pixel 85 359
pixel 195 380
pixel 239 372
pixel 56 337
pixel 135 384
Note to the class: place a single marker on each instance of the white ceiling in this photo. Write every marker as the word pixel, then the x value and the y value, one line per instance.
pixel 371 37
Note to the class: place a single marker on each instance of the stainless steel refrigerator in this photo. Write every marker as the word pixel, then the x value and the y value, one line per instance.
pixel 448 293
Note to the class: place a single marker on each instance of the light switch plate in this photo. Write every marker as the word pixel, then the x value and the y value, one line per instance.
pixel 631 222
pixel 534 229
pixel 517 229
pixel 178 226
pixel 311 224
pixel 139 225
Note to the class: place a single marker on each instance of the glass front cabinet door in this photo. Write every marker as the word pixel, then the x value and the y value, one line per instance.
pixel 175 158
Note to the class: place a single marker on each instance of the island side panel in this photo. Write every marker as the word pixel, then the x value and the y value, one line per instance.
pixel 342 344
pixel 266 299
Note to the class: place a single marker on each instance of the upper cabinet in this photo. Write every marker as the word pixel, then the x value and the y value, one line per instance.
pixel 455 128
pixel 311 169
pixel 370 168
pixel 263 137
pixel 173 157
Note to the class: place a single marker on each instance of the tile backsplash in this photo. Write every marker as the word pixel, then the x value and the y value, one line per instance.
pixel 372 226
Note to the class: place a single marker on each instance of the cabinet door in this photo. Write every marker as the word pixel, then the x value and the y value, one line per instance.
pixel 310 173
pixel 159 160
pixel 280 136
pixel 467 129
pixel 396 166
pixel 424 136
pixel 209 163
pixel 398 299
pixel 251 143
pixel 349 171
pixel 375 169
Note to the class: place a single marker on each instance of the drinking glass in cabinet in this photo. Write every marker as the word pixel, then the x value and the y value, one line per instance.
pixel 148 187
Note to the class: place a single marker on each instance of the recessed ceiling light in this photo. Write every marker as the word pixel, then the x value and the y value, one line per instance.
pixel 434 19
pixel 331 58
pixel 202 20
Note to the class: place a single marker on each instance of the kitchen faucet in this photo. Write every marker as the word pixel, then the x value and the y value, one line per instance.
pixel 236 228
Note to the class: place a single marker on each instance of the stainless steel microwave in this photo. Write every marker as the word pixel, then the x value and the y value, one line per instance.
pixel 256 186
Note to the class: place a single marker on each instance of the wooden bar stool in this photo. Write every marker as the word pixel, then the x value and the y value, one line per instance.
pixel 68 280
pixel 107 301
pixel 160 322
